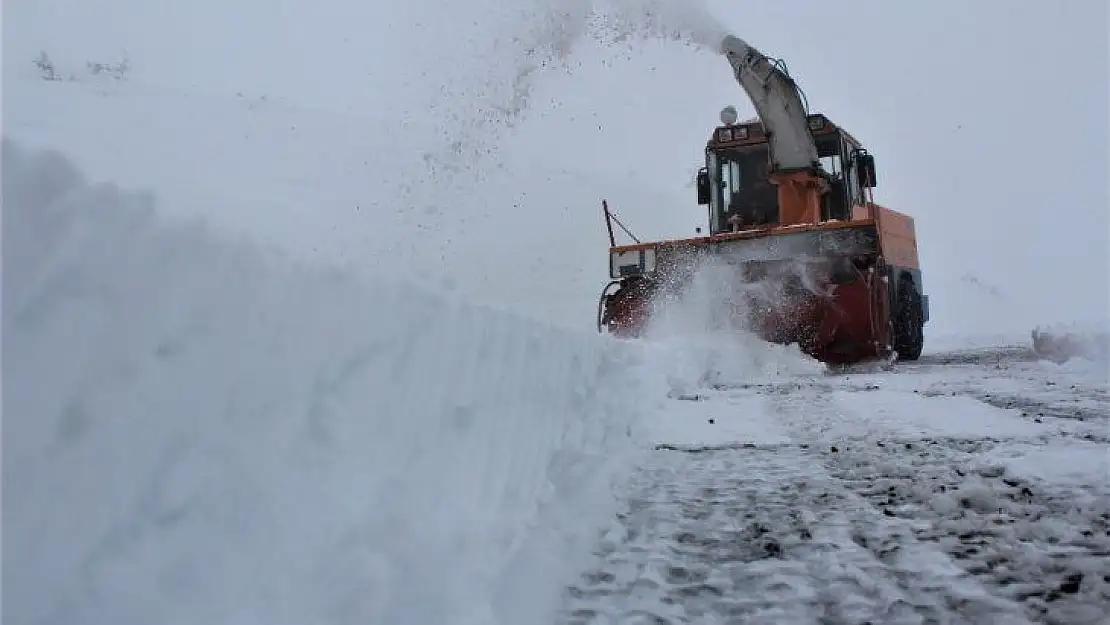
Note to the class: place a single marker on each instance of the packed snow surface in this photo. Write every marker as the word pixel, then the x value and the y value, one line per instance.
pixel 970 488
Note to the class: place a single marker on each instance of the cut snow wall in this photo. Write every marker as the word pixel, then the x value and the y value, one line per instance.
pixel 195 432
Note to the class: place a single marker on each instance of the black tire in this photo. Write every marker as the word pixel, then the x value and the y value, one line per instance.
pixel 908 325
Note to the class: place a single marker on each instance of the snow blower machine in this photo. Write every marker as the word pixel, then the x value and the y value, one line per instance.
pixel 791 206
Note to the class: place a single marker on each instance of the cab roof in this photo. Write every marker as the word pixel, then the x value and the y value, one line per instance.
pixel 751 132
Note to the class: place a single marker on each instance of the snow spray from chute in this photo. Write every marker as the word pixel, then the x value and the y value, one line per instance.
pixel 547 38
pixel 485 98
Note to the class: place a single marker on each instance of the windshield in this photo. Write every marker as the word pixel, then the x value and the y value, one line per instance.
pixel 745 195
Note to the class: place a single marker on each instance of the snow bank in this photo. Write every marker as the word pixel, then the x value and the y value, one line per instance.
pixel 1084 340
pixel 198 432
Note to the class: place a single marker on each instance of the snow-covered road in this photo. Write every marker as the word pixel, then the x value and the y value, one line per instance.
pixel 970 487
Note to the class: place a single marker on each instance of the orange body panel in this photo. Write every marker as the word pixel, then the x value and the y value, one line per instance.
pixel 898 237
pixel 799 197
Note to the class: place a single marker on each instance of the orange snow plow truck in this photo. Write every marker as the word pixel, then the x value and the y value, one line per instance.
pixel 813 259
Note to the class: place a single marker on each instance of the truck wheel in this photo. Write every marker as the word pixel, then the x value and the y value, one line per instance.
pixel 908 325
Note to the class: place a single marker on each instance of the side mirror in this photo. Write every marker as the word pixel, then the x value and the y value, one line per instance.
pixel 865 170
pixel 703 187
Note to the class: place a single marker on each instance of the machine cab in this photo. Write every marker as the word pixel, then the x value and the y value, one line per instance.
pixel 736 182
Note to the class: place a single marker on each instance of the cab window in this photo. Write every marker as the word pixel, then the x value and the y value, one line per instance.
pixel 731 180
pixel 830 154
pixel 855 193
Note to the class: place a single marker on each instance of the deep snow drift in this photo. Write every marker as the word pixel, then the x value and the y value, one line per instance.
pixel 198 432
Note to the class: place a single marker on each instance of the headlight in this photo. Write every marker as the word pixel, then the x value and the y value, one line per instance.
pixel 623 264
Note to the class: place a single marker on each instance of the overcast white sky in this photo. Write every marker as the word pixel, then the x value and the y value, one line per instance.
pixel 988 119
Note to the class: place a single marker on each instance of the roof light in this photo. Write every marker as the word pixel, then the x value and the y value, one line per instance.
pixel 740 133
pixel 729 115
pixel 724 134
pixel 816 123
